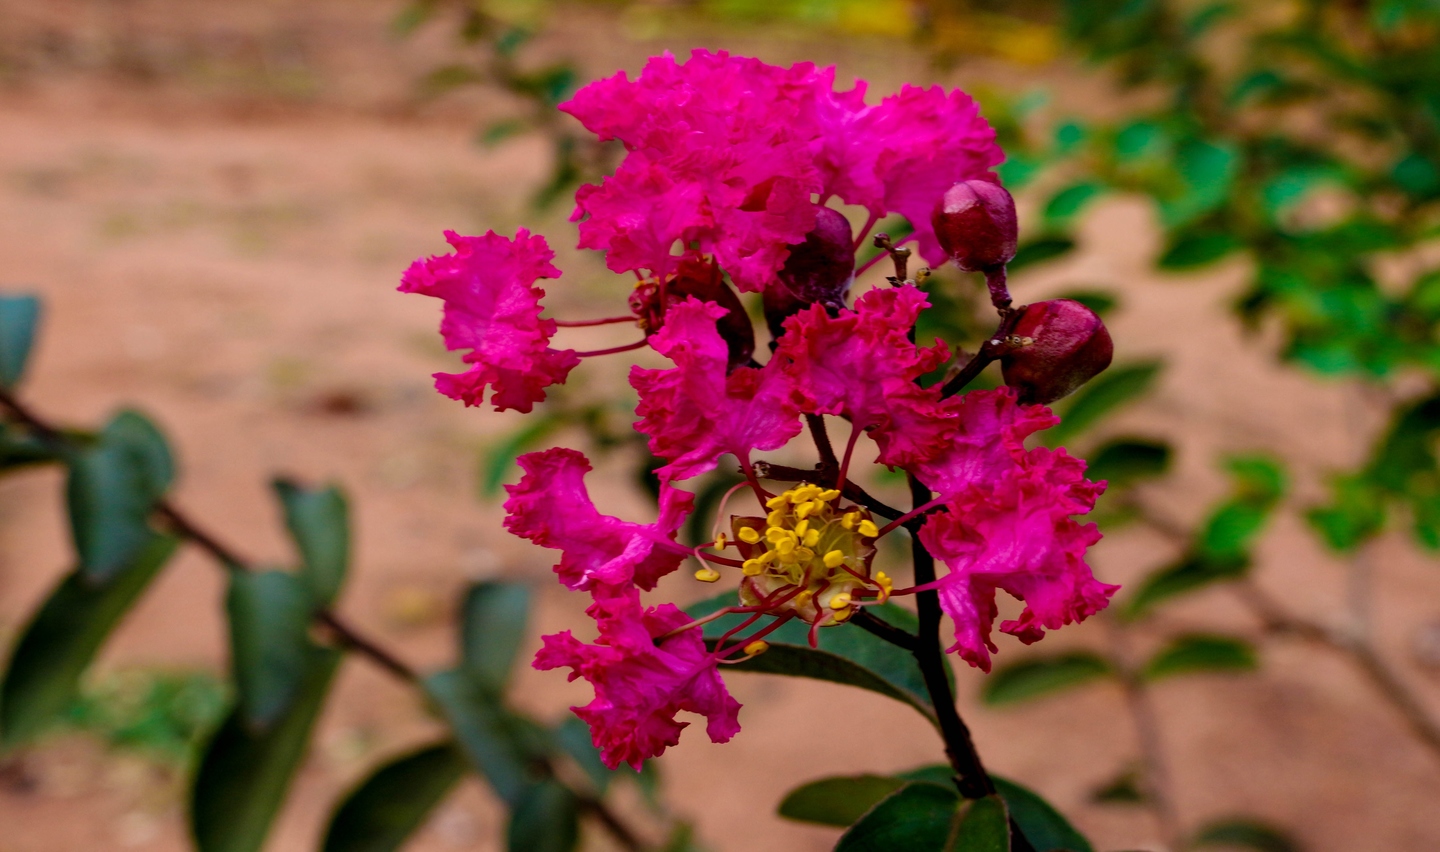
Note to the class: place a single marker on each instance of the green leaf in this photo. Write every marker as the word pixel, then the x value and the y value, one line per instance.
pixel 915 818
pixel 490 737
pixel 1201 653
pixel 501 131
pixel 1187 575
pixel 1124 462
pixel 837 801
pixel 1229 531
pixel 499 462
pixel 546 819
pixel 846 654
pixel 1101 396
pixel 1045 828
pixel 1066 204
pixel 573 737
pixel 319 524
pixel 1041 676
pixel 1193 250
pixel 18 317
pixel 1244 832
pixel 20 448
pixel 492 629
pixel 112 488
pixel 1101 302
pixel 43 676
pixel 1040 250
pixel 412 17
pixel 244 775
pixel 386 808
pixel 270 648
pixel 1206 171
pixel 447 78
pixel 1354 515
pixel 1123 789
pixel 982 827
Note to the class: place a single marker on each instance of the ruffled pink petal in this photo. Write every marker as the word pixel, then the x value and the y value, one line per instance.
pixel 493 309
pixel 964 440
pixel 640 685
pixel 1017 535
pixel 551 507
pixel 695 413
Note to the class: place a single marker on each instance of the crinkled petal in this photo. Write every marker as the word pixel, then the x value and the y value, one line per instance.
pixel 695 413
pixel 493 309
pixel 551 507
pixel 640 685
pixel 1017 535
pixel 963 440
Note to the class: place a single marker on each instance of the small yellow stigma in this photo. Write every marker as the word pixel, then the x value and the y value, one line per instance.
pixel 868 529
pixel 759 646
pixel 707 575
pixel 749 535
pixel 840 601
pixel 884 582
pixel 834 559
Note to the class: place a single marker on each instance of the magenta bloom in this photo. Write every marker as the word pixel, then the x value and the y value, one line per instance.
pixel 982 435
pixel 551 507
pixel 695 413
pixel 1017 536
pixel 640 684
pixel 493 309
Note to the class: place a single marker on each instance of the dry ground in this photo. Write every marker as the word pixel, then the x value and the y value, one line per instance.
pixel 216 201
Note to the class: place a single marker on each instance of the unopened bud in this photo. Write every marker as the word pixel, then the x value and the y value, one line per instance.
pixel 701 279
pixel 975 224
pixel 1058 346
pixel 819 269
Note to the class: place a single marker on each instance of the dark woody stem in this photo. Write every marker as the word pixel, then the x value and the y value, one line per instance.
pixel 971 778
pixel 992 349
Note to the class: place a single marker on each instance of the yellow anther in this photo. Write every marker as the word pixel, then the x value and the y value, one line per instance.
pixel 786 546
pixel 804 554
pixel 803 493
pixel 752 567
pixel 777 501
pixel 804 510
pixel 834 559
pixel 775 535
pixel 707 575
pixel 801 528
pixel 843 615
pixel 720 541
pixel 840 601
pixel 883 581
pixel 775 519
pixel 767 557
pixel 849 520
pixel 749 535
pixel 810 538
pixel 803 598
pixel 789 558
pixel 828 495
pixel 759 646
pixel 868 528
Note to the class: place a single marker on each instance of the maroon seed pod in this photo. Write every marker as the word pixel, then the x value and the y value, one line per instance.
pixel 1058 346
pixel 975 223
pixel 701 279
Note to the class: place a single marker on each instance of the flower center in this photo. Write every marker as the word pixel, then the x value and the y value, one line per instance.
pixel 809 556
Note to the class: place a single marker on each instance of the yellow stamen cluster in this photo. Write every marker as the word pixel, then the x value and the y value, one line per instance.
pixel 806 540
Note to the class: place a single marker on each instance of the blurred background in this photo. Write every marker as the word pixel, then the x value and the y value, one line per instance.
pixel 216 199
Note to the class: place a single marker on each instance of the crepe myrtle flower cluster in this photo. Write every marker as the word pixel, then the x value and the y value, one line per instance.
pixel 726 186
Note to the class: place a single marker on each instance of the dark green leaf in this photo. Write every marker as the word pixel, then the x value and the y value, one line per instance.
pixel 1101 302
pixel 846 654
pixel 1244 832
pixel 386 808
pixel 1045 828
pixel 18 318
pixel 1069 136
pixel 270 648
pixel 500 131
pixel 244 776
pixel 573 738
pixel 1416 175
pixel 498 463
pixel 1192 250
pixel 1101 396
pixel 112 488
pixel 319 524
pixel 1355 514
pixel 1259 483
pixel 490 737
pixel 1123 789
pixel 412 17
pixel 1068 202
pixel 1040 250
pixel 43 677
pixel 546 819
pixel 1201 653
pixel 983 826
pixel 682 839
pixel 19 448
pixel 837 801
pixel 447 78
pixel 915 818
pixel 1125 462
pixel 1037 677
pixel 1188 575
pixel 1206 170
pixel 492 629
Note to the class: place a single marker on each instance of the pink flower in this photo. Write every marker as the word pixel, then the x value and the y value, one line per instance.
pixel 551 507
pixel 857 363
pixel 694 413
pixel 964 440
pixel 1016 534
pixel 493 309
pixel 640 684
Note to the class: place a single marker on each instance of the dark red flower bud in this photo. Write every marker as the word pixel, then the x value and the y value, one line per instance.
pixel 975 223
pixel 701 279
pixel 821 268
pixel 1057 347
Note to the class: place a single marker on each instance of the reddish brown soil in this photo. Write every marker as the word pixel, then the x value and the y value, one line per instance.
pixel 216 201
